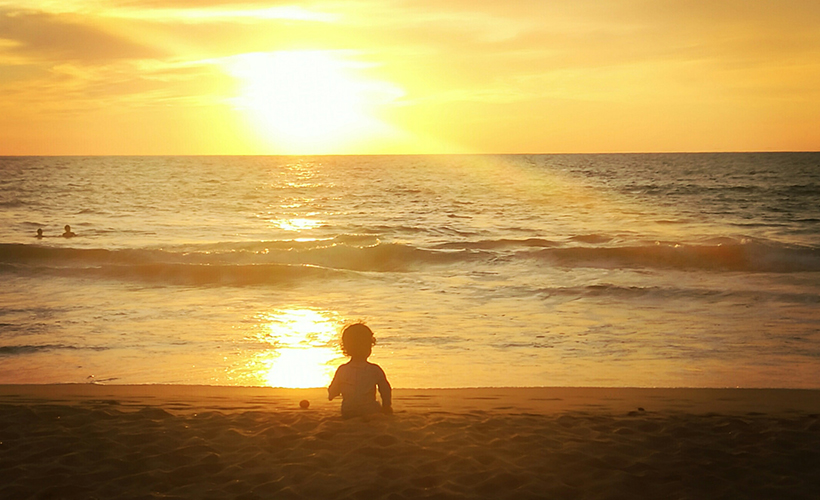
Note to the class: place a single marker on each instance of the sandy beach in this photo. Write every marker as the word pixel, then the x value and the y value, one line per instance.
pixel 175 442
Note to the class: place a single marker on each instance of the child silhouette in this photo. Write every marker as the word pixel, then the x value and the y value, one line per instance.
pixel 357 379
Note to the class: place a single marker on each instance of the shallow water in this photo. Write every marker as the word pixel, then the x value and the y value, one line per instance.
pixel 547 270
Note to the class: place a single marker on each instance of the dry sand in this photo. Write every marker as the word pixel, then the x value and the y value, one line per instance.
pixel 175 442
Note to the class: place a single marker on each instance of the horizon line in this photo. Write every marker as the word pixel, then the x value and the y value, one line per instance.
pixel 601 153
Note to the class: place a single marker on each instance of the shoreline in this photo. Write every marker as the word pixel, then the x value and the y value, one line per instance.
pixel 541 400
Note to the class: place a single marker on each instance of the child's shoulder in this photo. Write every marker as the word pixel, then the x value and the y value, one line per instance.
pixel 374 366
pixel 360 364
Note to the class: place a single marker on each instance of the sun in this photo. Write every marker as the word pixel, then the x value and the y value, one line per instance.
pixel 310 102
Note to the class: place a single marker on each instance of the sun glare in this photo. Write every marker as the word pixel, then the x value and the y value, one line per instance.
pixel 302 345
pixel 310 102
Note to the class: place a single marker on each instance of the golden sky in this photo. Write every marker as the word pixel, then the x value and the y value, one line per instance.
pixel 423 76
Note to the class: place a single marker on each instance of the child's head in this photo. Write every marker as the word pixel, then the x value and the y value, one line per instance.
pixel 357 340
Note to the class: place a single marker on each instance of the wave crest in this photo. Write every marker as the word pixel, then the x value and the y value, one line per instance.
pixel 278 262
pixel 740 257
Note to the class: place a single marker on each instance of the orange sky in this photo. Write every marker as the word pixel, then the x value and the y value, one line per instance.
pixel 423 76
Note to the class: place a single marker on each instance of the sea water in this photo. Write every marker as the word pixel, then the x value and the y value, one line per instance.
pixel 698 270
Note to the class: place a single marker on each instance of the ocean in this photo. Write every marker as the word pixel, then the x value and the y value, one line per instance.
pixel 646 270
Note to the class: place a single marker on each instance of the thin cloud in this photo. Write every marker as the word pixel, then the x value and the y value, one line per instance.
pixel 222 14
pixel 41 35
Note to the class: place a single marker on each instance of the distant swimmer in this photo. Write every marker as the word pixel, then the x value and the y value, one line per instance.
pixel 68 233
pixel 39 233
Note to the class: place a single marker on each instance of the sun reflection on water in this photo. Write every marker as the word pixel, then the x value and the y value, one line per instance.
pixel 296 224
pixel 303 343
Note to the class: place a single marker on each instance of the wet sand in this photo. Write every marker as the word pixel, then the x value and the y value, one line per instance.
pixel 175 442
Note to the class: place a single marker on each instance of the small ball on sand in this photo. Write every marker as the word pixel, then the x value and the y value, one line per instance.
pixel 303 404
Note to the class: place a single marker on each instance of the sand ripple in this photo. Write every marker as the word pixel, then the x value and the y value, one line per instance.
pixel 104 451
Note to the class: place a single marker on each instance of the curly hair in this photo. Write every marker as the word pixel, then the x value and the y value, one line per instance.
pixel 357 340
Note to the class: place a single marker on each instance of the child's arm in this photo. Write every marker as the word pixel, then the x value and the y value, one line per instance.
pixel 386 392
pixel 335 387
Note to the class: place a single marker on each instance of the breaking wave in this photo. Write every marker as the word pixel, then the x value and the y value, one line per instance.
pixel 262 263
pixel 739 257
